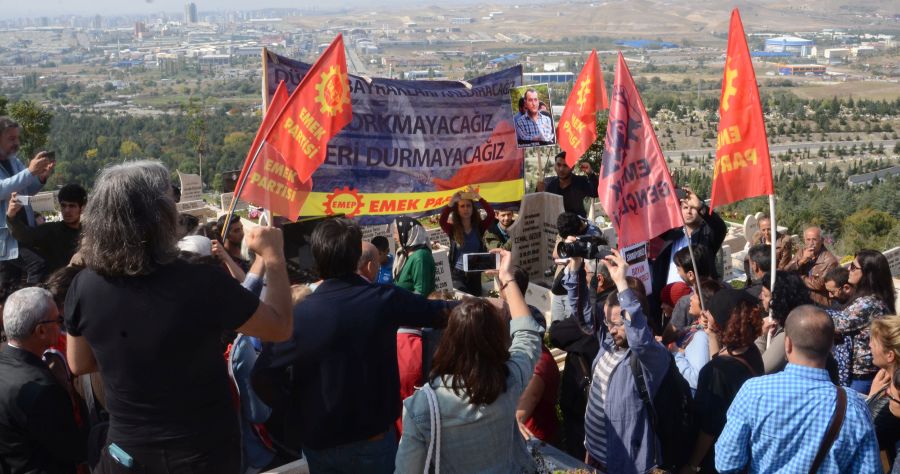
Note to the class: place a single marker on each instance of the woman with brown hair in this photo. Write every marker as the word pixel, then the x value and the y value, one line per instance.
pixel 464 417
pixel 736 321
pixel 462 222
pixel 885 346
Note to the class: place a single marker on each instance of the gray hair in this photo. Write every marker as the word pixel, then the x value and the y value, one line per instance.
pixel 6 122
pixel 23 310
pixel 129 224
pixel 369 254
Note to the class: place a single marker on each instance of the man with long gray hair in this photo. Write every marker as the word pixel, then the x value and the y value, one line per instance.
pixel 37 425
pixel 152 324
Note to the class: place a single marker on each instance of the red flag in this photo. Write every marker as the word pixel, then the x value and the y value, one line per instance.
pixel 275 106
pixel 317 110
pixel 743 168
pixel 265 178
pixel 577 128
pixel 635 189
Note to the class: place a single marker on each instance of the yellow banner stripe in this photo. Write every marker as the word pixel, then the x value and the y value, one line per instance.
pixel 350 202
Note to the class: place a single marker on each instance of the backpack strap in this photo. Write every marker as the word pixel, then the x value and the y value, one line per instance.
pixel 742 361
pixel 434 444
pixel 644 393
pixel 837 419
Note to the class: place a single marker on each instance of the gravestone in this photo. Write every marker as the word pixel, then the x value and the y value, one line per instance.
pixel 893 258
pixel 442 279
pixel 751 226
pixel 191 193
pixel 371 231
pixel 534 235
pixel 437 235
pixel 225 200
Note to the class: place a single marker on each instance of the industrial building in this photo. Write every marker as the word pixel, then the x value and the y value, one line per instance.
pixel 801 70
pixel 548 77
pixel 789 44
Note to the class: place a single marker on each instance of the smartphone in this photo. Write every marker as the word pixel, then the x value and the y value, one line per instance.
pixel 120 456
pixel 51 155
pixel 480 262
pixel 467 195
pixel 23 199
pixel 680 193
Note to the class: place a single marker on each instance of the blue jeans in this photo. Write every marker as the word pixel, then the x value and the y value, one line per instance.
pixel 370 456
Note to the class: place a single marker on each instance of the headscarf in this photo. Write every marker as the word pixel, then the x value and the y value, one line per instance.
pixel 412 237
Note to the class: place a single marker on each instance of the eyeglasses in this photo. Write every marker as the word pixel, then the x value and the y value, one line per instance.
pixel 611 325
pixel 889 397
pixel 854 267
pixel 58 321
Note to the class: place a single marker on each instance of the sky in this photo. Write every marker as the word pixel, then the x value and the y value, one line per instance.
pixel 34 8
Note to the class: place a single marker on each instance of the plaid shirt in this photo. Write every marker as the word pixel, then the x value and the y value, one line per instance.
pixel 776 424
pixel 527 129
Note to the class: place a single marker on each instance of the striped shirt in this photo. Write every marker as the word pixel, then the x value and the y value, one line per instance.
pixel 595 439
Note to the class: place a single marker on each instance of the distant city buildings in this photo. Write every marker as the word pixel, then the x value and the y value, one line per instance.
pixel 190 13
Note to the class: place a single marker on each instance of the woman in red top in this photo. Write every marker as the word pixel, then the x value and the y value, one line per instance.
pixel 466 231
pixel 536 412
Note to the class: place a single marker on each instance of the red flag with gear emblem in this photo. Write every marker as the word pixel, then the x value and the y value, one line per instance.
pixel 316 111
pixel 743 168
pixel 577 128
pixel 266 179
pixel 635 186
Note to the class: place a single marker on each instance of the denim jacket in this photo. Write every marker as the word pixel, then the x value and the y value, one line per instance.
pixel 22 182
pixel 475 438
pixel 629 435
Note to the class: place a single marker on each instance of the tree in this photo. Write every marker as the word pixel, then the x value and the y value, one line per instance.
pixel 35 123
pixel 129 149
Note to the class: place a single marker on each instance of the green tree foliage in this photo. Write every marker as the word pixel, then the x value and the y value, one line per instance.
pixel 35 123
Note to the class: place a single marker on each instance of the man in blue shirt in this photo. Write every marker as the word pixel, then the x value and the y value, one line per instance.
pixel 385 260
pixel 534 128
pixel 777 422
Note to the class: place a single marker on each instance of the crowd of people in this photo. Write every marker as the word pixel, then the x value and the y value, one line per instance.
pixel 149 341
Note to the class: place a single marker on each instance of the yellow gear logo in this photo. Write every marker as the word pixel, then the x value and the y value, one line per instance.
pixel 730 90
pixel 343 201
pixel 583 92
pixel 333 91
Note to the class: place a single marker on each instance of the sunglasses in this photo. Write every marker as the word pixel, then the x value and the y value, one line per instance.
pixel 854 267
pixel 889 397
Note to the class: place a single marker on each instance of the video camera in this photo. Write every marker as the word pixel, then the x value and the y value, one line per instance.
pixel 585 246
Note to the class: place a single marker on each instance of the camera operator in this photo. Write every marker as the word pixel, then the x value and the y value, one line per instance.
pixel 570 224
pixel 575 335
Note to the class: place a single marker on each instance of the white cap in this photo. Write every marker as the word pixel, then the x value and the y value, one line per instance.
pixel 197 244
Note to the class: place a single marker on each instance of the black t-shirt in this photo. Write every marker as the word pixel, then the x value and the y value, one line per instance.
pixel 156 339
pixel 887 426
pixel 579 189
pixel 717 385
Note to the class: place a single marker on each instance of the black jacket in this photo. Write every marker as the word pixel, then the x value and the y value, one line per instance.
pixel 711 234
pixel 37 425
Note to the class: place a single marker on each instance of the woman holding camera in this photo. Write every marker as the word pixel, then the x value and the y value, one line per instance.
pixel 466 231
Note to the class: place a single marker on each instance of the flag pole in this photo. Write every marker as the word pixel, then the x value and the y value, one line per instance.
pixel 696 273
pixel 240 189
pixel 773 267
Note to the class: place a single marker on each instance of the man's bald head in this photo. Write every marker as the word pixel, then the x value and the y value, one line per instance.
pixel 368 261
pixel 811 332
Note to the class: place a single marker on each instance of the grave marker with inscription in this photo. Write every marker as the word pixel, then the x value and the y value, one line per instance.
pixel 534 234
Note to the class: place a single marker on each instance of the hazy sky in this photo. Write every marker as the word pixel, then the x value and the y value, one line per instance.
pixel 30 8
